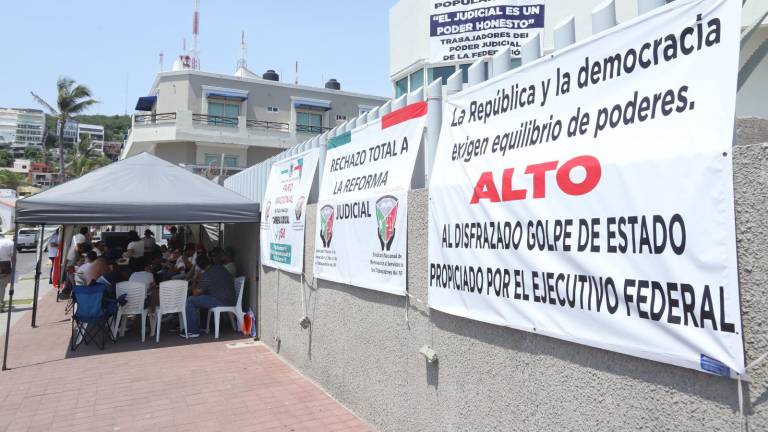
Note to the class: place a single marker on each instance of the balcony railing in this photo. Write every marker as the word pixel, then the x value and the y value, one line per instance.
pixel 317 130
pixel 146 119
pixel 261 124
pixel 214 120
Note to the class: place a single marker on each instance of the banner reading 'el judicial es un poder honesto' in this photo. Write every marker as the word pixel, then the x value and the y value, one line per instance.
pixel 461 30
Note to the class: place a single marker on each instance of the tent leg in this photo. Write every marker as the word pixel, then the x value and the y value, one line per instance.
pixel 221 243
pixel 37 274
pixel 10 299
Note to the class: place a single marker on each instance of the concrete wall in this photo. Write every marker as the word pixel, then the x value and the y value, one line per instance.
pixel 365 353
pixel 177 152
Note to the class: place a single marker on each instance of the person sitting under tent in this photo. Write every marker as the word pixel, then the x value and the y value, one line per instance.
pixel 214 287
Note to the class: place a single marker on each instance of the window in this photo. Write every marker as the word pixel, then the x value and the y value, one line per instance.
pixel 273 109
pixel 223 113
pixel 230 161
pixel 309 122
pixel 212 160
pixel 441 72
pixel 416 79
pixel 401 87
pixel 341 117
pixel 364 110
pixel 223 109
pixel 465 72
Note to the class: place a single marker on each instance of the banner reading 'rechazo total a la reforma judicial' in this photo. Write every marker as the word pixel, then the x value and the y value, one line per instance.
pixel 589 196
pixel 362 210
pixel 283 214
pixel 470 30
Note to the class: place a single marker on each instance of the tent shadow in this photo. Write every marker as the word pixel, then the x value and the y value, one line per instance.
pixel 131 342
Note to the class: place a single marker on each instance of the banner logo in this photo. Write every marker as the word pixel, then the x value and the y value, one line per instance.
pixel 294 170
pixel 299 207
pixel 386 218
pixel 326 225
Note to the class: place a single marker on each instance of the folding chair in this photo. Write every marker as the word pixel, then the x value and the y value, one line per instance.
pixel 90 319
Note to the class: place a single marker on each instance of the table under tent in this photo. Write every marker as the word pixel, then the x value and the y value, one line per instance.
pixel 140 190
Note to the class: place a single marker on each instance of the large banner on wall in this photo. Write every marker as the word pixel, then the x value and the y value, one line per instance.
pixel 470 30
pixel 589 196
pixel 362 211
pixel 283 213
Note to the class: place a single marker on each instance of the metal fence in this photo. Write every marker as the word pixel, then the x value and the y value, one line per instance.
pixel 252 182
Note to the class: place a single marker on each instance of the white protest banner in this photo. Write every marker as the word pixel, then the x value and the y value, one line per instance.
pixel 470 30
pixel 589 197
pixel 285 201
pixel 362 211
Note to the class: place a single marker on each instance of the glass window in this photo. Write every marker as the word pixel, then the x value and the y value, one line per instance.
pixel 465 72
pixel 230 161
pixel 223 109
pixel 272 109
pixel 309 119
pixel 441 72
pixel 401 87
pixel 309 122
pixel 416 79
pixel 211 159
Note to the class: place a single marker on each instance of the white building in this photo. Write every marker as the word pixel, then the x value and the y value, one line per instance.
pixel 193 118
pixel 21 128
pixel 95 133
pixel 409 44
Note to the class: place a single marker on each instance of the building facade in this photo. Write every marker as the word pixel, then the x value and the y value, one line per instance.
pixel 409 45
pixel 21 128
pixel 195 118
pixel 95 133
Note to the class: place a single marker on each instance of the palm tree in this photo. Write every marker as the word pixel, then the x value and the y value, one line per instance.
pixel 71 100
pixel 11 180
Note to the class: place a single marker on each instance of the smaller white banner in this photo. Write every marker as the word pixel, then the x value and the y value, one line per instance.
pixel 283 214
pixel 362 211
pixel 473 30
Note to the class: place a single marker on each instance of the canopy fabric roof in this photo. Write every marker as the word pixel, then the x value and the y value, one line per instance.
pixel 145 103
pixel 142 189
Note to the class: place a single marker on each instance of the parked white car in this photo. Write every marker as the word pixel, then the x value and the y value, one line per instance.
pixel 27 239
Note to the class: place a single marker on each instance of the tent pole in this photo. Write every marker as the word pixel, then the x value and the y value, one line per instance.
pixel 219 236
pixel 37 274
pixel 10 298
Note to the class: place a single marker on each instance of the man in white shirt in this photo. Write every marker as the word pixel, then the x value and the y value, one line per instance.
pixel 136 246
pixel 6 254
pixel 53 250
pixel 77 240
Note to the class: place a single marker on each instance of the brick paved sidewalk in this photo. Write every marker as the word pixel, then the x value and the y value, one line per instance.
pixel 198 385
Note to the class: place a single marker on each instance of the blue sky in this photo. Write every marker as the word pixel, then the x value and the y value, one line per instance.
pixel 101 42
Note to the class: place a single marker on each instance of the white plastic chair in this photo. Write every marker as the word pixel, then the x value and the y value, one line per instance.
pixel 136 294
pixel 173 299
pixel 236 311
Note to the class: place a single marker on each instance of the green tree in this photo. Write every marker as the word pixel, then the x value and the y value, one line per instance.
pixel 71 100
pixel 6 158
pixel 34 154
pixel 11 180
